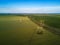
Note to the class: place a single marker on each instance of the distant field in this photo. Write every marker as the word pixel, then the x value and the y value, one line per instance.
pixel 18 30
pixel 51 20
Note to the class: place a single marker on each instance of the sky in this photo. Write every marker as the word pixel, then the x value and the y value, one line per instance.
pixel 29 6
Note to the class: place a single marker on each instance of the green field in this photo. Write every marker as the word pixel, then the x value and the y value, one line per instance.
pixel 53 21
pixel 18 30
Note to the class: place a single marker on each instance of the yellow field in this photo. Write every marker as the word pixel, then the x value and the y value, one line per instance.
pixel 18 30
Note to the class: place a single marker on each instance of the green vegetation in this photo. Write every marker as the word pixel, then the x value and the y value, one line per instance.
pixel 18 30
pixel 53 21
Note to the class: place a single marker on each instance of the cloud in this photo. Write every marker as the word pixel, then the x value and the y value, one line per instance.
pixel 30 10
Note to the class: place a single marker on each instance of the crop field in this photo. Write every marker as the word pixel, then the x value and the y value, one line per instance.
pixel 22 30
pixel 53 21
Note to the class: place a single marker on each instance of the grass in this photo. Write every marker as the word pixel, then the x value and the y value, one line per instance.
pixel 17 30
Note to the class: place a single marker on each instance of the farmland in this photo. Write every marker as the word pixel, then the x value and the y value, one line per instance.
pixel 53 21
pixel 22 30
